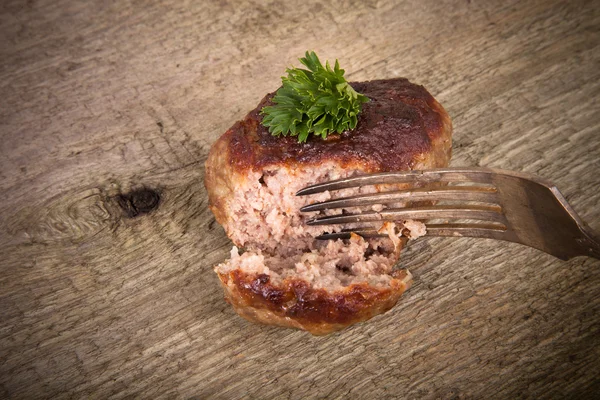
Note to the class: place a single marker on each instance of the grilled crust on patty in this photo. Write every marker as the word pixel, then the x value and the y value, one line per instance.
pixel 295 304
pixel 402 127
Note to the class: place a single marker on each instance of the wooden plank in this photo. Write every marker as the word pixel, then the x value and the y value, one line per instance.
pixel 107 244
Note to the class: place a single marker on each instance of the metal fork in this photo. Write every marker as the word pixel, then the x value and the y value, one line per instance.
pixel 512 206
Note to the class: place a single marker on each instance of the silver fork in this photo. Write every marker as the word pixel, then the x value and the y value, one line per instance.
pixel 512 206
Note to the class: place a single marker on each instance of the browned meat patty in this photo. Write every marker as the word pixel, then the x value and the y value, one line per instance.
pixel 284 277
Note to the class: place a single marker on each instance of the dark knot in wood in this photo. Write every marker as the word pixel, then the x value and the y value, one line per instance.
pixel 138 202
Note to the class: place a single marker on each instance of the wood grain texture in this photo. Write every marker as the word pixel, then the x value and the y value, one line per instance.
pixel 99 100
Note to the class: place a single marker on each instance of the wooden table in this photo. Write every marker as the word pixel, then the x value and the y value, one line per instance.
pixel 107 245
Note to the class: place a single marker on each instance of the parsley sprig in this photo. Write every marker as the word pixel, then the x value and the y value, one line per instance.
pixel 317 100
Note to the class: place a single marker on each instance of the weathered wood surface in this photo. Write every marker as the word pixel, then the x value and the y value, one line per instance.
pixel 99 100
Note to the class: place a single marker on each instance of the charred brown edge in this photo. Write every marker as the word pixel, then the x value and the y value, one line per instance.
pixel 295 299
pixel 245 141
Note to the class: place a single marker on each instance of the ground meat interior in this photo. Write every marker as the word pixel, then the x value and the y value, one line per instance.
pixel 274 239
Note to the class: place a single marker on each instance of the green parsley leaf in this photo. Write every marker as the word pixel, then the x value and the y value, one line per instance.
pixel 317 100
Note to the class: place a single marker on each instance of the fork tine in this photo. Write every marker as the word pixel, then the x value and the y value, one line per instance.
pixel 488 230
pixel 367 233
pixel 475 212
pixel 483 194
pixel 481 175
